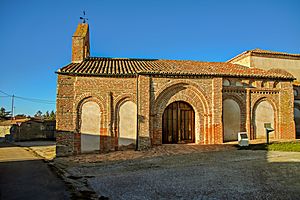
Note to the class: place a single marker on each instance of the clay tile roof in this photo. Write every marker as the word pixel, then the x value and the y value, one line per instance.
pixel 261 51
pixel 280 71
pixel 258 51
pixel 95 66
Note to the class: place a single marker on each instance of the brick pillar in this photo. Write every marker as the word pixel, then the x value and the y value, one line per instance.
pixel 248 113
pixel 143 111
pixel 65 123
pixel 207 129
pixel 286 124
pixel 111 122
pixel 217 107
pixel 109 140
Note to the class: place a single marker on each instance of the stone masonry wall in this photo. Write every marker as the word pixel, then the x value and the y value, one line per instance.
pixel 64 115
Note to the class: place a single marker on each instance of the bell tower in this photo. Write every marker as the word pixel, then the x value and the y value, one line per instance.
pixel 81 43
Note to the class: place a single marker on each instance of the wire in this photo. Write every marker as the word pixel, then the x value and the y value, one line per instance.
pixel 36 100
pixel 5 93
pixel 43 101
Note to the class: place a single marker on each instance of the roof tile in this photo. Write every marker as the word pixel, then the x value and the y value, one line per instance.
pixel 123 66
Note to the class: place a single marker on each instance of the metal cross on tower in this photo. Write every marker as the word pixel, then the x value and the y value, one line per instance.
pixel 83 18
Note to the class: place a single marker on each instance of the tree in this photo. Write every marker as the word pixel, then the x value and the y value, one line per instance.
pixel 46 115
pixel 4 113
pixel 38 114
pixel 52 115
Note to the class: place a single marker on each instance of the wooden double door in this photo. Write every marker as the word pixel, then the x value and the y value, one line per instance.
pixel 178 123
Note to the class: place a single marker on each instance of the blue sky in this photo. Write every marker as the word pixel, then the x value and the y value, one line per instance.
pixel 35 36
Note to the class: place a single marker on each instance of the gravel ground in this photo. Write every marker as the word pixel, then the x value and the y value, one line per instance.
pixel 227 174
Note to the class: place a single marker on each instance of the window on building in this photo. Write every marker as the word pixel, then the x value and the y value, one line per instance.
pixel 276 84
pixel 264 84
pixel 226 82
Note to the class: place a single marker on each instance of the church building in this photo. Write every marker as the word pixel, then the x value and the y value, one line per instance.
pixel 105 104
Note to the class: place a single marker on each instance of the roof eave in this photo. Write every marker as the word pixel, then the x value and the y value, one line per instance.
pixel 176 74
pixel 239 56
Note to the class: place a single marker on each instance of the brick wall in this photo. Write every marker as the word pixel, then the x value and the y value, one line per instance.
pixel 80 43
pixel 204 94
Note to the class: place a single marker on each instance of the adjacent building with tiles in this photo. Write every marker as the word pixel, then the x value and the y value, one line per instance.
pixel 104 104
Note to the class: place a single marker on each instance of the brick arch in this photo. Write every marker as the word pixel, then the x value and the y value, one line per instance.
pixel 260 99
pixel 242 104
pixel 178 85
pixel 79 105
pixel 255 104
pixel 237 98
pixel 98 99
pixel 79 102
pixel 124 97
pixel 186 93
pixel 117 104
pixel 121 99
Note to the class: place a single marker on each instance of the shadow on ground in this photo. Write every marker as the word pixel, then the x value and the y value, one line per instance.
pixel 227 173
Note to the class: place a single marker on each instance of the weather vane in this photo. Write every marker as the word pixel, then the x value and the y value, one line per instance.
pixel 83 18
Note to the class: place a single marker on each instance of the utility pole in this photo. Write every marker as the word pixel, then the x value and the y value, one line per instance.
pixel 12 106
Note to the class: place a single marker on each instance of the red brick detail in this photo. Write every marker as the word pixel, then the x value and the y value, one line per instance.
pixel 180 91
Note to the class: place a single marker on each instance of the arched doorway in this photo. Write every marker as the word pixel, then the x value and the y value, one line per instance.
pixel 90 127
pixel 127 124
pixel 231 119
pixel 178 123
pixel 264 113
